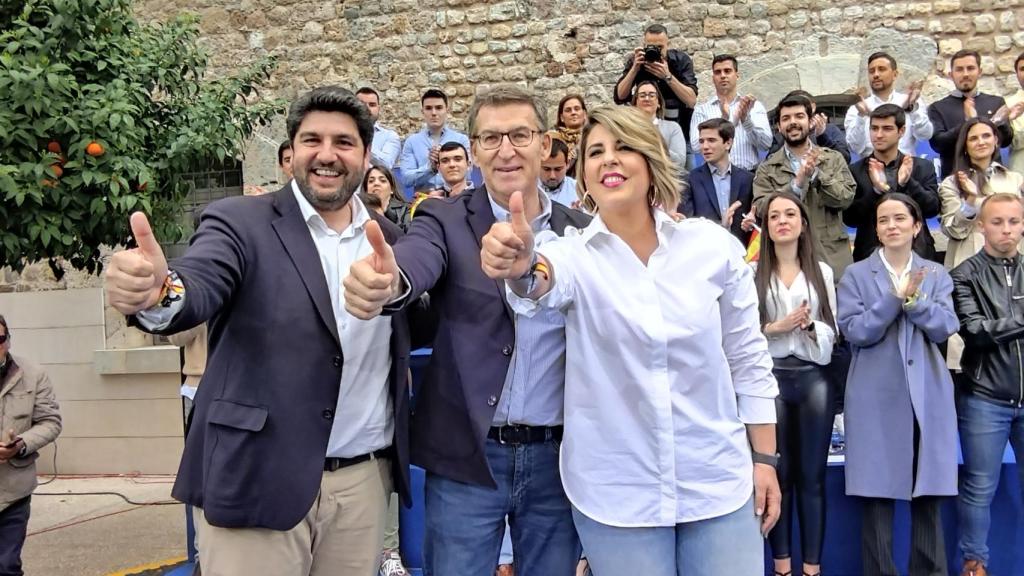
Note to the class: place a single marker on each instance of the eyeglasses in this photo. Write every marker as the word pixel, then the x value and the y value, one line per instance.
pixel 520 138
pixel 3 338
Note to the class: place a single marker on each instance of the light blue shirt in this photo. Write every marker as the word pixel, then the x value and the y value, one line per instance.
pixel 565 194
pixel 535 381
pixel 723 186
pixel 794 162
pixel 415 163
pixel 387 145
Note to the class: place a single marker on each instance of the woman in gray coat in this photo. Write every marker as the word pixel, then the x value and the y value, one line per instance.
pixel 894 309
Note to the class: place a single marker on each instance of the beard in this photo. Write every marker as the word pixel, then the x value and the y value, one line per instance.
pixel 332 199
pixel 798 140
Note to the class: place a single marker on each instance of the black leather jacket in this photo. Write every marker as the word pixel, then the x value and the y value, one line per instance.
pixel 988 293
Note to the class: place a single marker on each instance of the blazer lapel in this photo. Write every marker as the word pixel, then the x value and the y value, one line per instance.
pixel 480 218
pixel 294 235
pixel 708 181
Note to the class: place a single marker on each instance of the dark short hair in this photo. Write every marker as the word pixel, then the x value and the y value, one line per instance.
pixel 368 90
pixel 725 58
pixel 281 149
pixel 877 55
pixel 565 100
pixel 451 145
pixel 965 53
pixel 912 206
pixel 434 93
pixel 794 99
pixel 656 29
pixel 558 146
pixel 1016 63
pixel 890 111
pixel 396 192
pixel 3 322
pixel 331 99
pixel 726 130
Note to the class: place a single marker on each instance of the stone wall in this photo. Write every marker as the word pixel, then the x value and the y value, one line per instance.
pixel 402 47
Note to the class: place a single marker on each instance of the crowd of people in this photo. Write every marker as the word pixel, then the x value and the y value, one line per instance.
pixel 637 356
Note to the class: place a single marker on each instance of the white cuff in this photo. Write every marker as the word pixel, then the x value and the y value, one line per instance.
pixel 756 410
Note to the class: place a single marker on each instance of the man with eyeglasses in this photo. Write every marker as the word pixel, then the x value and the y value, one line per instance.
pixel 31 417
pixel 488 421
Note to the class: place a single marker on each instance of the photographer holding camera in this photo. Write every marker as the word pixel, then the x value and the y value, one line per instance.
pixel 671 69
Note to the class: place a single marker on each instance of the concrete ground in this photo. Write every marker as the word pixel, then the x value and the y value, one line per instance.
pixel 72 533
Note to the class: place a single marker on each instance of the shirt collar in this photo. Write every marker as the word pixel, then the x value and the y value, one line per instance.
pixel 360 216
pixel 716 172
pixel 716 99
pixel 957 93
pixel 663 225
pixel 539 223
pixel 892 272
pixel 789 153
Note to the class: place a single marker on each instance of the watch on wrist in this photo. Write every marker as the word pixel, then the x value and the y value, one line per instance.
pixel 668 79
pixel 769 459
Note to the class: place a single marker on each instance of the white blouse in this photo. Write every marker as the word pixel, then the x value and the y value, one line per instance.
pixel 780 301
pixel 665 364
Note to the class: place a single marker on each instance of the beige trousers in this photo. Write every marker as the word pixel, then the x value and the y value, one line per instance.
pixel 341 535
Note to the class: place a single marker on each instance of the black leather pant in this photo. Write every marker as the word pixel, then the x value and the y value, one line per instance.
pixel 803 432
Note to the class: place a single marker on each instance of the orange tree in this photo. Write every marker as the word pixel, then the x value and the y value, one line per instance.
pixel 101 115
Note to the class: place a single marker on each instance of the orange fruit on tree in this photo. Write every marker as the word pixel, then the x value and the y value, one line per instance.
pixel 49 183
pixel 57 170
pixel 94 149
pixel 53 146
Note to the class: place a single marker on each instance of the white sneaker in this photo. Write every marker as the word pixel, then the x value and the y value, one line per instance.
pixel 391 564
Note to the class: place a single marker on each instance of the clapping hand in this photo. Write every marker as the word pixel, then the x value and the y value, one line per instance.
pixel 876 171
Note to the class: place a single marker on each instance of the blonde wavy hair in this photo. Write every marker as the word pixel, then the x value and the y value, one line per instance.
pixel 635 130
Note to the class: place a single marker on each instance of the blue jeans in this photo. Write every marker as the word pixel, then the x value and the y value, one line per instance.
pixel 984 429
pixel 465 523
pixel 729 544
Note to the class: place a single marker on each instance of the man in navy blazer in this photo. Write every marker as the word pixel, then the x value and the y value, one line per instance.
pixel 717 190
pixel 301 420
pixel 488 420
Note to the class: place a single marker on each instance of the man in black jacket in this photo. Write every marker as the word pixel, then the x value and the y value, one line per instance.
pixel 672 71
pixel 988 292
pixel 888 169
pixel 950 113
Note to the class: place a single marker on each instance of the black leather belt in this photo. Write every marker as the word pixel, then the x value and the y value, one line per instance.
pixel 332 464
pixel 519 434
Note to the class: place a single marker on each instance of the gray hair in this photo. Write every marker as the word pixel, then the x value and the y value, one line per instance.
pixel 504 95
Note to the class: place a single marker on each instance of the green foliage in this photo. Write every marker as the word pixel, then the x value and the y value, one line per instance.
pixel 76 72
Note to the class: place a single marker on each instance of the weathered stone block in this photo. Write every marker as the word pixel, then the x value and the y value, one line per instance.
pixel 1003 43
pixel 984 23
pixel 945 6
pixel 478 48
pixel 714 28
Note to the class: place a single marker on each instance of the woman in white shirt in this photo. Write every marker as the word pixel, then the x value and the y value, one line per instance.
pixel 649 100
pixel 797 305
pixel 669 449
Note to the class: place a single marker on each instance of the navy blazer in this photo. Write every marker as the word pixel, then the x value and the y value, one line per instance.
pixel 255 452
pixel 701 200
pixel 475 337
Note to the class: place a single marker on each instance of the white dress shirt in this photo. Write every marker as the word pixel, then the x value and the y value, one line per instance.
pixel 565 194
pixel 753 134
pixel 814 346
pixel 858 128
pixel 665 363
pixel 363 419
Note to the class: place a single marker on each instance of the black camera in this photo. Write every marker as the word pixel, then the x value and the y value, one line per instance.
pixel 652 53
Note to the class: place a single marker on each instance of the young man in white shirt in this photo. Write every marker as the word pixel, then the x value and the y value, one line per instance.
pixel 753 132
pixel 882 75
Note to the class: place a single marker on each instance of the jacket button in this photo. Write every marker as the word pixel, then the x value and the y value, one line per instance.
pixel 492 400
pixel 328 414
pixel 336 361
pixel 507 350
pixel 910 362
